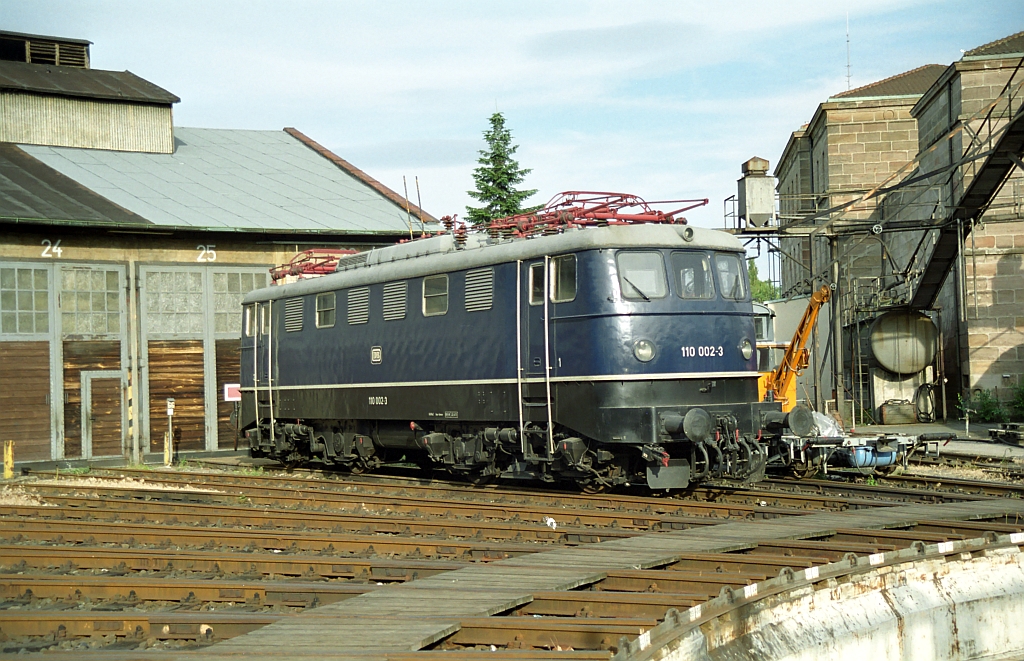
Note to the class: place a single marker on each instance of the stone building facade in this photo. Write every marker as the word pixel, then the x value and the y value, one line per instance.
pixel 917 133
pixel 959 118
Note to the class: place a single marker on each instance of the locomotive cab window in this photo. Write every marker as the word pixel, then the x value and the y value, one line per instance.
pixel 265 319
pixel 325 310
pixel 563 279
pixel 435 295
pixel 249 321
pixel 730 276
pixel 692 275
pixel 641 275
pixel 537 283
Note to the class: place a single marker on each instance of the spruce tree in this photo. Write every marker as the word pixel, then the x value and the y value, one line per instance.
pixel 760 290
pixel 497 177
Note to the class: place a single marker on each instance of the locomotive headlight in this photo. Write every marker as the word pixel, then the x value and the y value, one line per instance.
pixel 747 349
pixel 643 350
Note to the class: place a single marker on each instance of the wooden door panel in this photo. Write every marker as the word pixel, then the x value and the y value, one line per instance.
pixel 176 370
pixel 79 356
pixel 106 417
pixel 25 398
pixel 227 372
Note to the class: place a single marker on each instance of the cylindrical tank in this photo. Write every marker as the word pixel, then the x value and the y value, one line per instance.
pixel 904 341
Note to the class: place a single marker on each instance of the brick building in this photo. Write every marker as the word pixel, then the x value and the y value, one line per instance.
pixel 127 244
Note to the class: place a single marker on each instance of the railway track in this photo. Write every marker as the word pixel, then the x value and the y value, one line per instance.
pixel 178 560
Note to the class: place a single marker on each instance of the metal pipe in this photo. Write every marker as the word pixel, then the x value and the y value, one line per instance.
pixel 519 349
pixel 134 391
pixel 974 271
pixel 257 327
pixel 837 327
pixel 961 285
pixel 270 367
pixel 547 354
pixel 942 362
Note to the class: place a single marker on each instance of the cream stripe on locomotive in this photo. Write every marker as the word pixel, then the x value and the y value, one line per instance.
pixel 482 382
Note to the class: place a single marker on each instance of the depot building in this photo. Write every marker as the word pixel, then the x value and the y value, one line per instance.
pixel 127 244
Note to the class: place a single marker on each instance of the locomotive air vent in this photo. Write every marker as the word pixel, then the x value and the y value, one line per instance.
pixel 359 305
pixel 352 261
pixel 293 315
pixel 479 290
pixel 395 297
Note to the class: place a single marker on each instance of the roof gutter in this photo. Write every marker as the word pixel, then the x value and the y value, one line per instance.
pixel 138 228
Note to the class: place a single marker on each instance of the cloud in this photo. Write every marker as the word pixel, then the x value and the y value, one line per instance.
pixel 414 153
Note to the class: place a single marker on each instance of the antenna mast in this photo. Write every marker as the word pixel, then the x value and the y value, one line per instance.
pixel 847 51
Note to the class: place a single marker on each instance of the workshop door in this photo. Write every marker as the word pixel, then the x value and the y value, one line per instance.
pixel 102 414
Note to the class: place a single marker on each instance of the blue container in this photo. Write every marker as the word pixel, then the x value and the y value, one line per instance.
pixel 868 457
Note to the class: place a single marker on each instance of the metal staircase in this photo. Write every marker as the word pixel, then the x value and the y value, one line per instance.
pixel 996 147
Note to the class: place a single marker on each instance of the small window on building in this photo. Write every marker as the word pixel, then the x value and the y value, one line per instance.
pixel 563 279
pixel 325 306
pixel 395 296
pixel 229 288
pixel 359 305
pixel 730 276
pixel 536 283
pixel 24 301
pixel 90 301
pixel 435 295
pixel 641 275
pixel 479 290
pixel 293 315
pixel 759 329
pixel 692 275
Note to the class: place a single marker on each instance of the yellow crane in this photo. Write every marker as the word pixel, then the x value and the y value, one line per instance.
pixel 781 381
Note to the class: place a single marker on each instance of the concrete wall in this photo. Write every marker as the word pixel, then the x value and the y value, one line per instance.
pixel 39 119
pixel 941 609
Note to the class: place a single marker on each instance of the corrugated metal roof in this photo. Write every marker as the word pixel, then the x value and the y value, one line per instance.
pixel 909 83
pixel 79 82
pixel 33 191
pixel 232 180
pixel 1012 45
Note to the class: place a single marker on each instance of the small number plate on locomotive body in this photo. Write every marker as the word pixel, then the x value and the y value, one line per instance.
pixel 702 351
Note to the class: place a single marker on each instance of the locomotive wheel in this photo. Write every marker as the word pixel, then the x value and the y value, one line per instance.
pixel 805 470
pixel 477 478
pixel 592 486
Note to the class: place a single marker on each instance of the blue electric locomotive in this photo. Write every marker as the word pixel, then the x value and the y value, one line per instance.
pixel 605 352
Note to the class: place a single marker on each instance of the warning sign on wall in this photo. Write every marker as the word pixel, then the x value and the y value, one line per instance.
pixel 232 392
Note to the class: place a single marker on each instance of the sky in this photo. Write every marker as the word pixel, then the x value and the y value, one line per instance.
pixel 664 100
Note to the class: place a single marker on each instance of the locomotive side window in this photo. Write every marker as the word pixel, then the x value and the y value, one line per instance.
pixel 692 275
pixel 435 295
pixel 248 323
pixel 730 276
pixel 325 310
pixel 641 275
pixel 563 278
pixel 537 283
